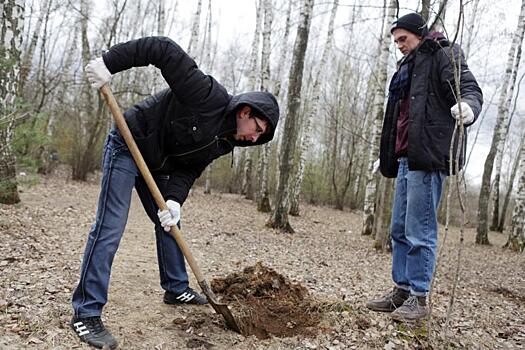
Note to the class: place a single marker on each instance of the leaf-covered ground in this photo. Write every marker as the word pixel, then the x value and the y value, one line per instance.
pixel 42 240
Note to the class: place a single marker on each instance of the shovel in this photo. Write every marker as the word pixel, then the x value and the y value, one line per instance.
pixel 220 308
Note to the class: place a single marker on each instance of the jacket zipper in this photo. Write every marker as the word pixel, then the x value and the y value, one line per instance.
pixel 215 139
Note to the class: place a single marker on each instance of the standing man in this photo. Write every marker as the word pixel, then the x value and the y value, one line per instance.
pixel 179 131
pixel 420 118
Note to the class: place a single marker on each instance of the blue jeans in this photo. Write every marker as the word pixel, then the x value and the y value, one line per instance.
pixel 414 227
pixel 120 174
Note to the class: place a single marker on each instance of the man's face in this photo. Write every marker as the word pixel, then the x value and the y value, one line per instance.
pixel 249 128
pixel 406 41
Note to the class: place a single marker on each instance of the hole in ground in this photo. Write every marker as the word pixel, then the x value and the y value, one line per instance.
pixel 266 303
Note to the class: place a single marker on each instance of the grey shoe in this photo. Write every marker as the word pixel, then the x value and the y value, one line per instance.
pixel 413 309
pixel 390 301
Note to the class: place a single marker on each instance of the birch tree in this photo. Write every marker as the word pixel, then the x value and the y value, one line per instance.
pixel 247 186
pixel 513 173
pixel 314 110
pixel 516 239
pixel 499 130
pixel 279 217
pixel 284 52
pixel 501 146
pixel 161 17
pixel 377 113
pixel 263 200
pixel 11 28
pixel 194 38
pixel 28 55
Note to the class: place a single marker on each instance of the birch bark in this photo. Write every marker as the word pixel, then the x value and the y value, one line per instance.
pixel 263 200
pixel 377 112
pixel 247 185
pixel 11 28
pixel 499 130
pixel 314 110
pixel 516 239
pixel 279 218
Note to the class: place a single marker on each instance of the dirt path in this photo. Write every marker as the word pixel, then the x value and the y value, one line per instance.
pixel 43 238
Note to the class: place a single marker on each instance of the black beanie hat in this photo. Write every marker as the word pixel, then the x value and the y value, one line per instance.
pixel 413 22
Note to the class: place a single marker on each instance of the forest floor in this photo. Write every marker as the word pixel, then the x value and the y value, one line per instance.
pixel 42 240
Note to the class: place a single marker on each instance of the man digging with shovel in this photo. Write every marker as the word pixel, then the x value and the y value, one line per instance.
pixel 179 131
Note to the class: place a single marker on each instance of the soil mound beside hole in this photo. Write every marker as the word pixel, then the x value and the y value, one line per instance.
pixel 266 304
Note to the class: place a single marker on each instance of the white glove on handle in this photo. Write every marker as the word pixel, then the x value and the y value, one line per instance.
pixel 171 216
pixel 466 112
pixel 97 73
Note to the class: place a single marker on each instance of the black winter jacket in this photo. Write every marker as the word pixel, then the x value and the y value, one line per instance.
pixel 181 130
pixel 432 94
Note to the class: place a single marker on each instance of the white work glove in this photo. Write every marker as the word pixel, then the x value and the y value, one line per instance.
pixel 97 73
pixel 466 112
pixel 376 166
pixel 171 216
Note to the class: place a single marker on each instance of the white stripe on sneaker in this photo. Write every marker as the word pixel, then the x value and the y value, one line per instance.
pixel 185 297
pixel 80 329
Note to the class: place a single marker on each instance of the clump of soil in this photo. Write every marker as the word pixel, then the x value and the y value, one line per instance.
pixel 265 303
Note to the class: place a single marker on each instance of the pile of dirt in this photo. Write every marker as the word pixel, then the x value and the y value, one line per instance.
pixel 266 304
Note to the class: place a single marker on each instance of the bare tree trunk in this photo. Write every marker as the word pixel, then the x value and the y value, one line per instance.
pixel 194 38
pixel 206 60
pixel 27 57
pixel 247 187
pixel 439 18
pixel 516 239
pixel 379 99
pixel 381 228
pixel 495 192
pixel 263 199
pixel 499 130
pixel 11 29
pixel 425 9
pixel 514 172
pixel 314 111
pixel 284 52
pixel 279 218
pixel 470 30
pixel 500 151
pixel 161 17
pixel 91 120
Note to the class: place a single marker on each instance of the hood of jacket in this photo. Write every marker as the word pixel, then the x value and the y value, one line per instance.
pixel 264 105
pixel 433 41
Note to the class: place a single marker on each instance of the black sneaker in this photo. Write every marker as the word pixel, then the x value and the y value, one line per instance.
pixel 189 296
pixel 92 331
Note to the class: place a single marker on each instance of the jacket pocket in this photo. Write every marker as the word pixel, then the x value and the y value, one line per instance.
pixel 150 149
pixel 438 141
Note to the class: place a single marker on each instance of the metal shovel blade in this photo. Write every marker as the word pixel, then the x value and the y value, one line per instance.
pixel 220 308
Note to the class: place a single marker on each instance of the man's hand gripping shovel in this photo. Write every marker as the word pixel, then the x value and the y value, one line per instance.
pixel 220 308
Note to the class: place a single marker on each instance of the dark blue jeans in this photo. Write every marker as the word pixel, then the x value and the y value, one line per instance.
pixel 120 174
pixel 414 227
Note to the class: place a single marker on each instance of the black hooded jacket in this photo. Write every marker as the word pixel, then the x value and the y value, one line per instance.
pixel 432 94
pixel 182 129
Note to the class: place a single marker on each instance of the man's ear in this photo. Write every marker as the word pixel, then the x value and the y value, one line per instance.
pixel 244 112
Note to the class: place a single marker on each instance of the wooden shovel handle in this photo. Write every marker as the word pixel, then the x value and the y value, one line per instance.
pixel 118 117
